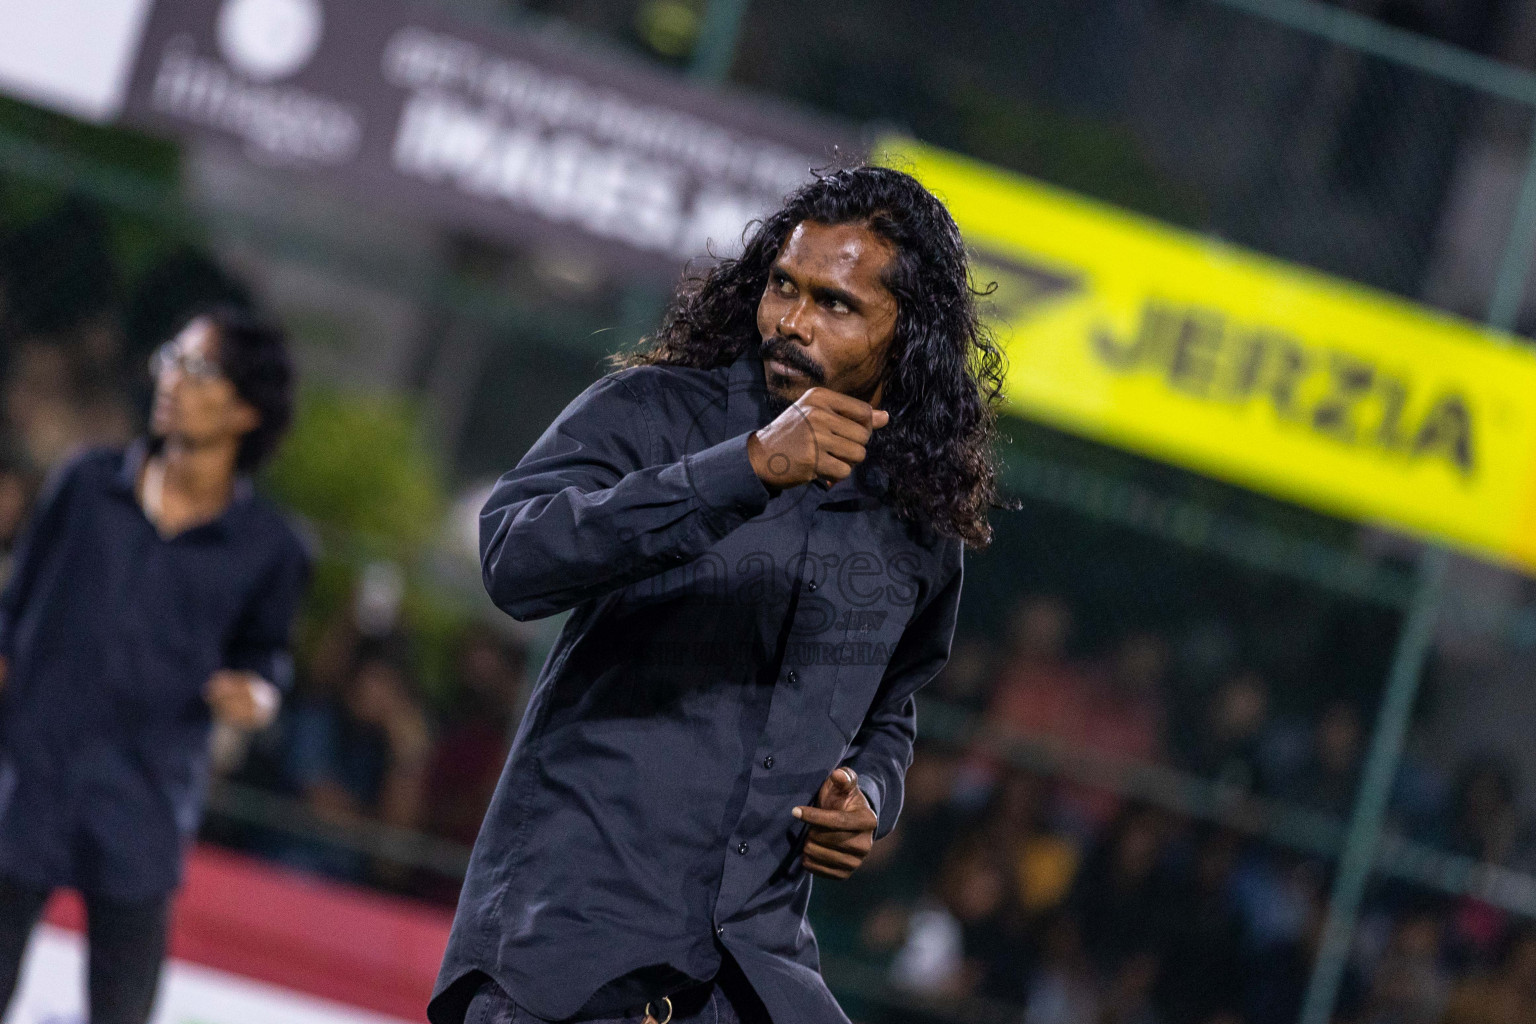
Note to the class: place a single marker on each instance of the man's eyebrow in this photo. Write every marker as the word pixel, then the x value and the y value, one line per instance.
pixel 827 293
pixel 821 292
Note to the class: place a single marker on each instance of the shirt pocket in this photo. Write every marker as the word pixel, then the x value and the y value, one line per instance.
pixel 863 641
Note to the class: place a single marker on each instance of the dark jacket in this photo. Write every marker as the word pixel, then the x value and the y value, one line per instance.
pixel 728 649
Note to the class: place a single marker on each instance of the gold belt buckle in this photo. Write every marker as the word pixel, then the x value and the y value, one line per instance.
pixel 650 1018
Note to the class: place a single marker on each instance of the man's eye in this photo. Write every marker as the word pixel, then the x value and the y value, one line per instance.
pixel 838 306
pixel 783 285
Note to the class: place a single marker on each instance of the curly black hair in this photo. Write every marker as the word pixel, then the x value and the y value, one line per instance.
pixel 253 353
pixel 944 374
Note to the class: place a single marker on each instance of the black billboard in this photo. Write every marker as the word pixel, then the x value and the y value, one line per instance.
pixel 482 128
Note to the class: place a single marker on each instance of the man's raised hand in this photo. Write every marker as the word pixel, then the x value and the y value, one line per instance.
pixel 822 435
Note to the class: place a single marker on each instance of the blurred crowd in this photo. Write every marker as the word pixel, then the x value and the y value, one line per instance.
pixel 1065 900
pixel 1085 908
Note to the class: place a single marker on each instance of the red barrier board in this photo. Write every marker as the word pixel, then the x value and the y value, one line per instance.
pixel 251 918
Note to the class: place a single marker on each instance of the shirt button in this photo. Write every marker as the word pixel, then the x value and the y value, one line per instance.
pixel 719 929
pixel 741 848
pixel 794 678
pixel 811 586
pixel 768 761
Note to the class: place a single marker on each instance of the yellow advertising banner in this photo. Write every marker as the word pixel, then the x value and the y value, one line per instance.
pixel 1249 369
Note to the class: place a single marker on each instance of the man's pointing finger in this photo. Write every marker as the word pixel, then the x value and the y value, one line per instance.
pixel 843 821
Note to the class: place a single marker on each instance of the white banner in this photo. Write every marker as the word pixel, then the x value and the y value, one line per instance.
pixel 73 55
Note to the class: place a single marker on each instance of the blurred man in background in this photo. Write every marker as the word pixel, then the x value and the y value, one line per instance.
pixel 645 854
pixel 151 595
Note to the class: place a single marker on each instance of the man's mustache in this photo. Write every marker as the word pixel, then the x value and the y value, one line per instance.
pixel 793 356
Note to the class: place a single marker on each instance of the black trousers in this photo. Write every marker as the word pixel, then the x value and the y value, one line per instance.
pixel 125 949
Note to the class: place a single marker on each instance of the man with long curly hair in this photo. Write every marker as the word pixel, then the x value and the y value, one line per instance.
pixel 758 523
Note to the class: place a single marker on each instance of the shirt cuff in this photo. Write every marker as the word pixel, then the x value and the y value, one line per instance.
pixel 276 667
pixel 871 791
pixel 724 480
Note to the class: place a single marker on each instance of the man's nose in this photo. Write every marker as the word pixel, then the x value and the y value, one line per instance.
pixel 795 323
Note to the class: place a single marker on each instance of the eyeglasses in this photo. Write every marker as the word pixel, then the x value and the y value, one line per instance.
pixel 192 366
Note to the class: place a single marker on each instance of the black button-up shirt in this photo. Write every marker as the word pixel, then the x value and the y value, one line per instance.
pixel 729 648
pixel 111 632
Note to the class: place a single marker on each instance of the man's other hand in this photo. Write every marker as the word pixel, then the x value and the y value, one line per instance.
pixel 823 435
pixel 842 827
pixel 242 700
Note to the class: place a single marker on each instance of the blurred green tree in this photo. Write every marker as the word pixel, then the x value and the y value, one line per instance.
pixel 360 469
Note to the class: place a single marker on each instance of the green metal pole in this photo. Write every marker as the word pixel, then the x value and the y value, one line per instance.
pixel 718 35
pixel 1401 46
pixel 1370 810
pixel 1413 645
pixel 1515 268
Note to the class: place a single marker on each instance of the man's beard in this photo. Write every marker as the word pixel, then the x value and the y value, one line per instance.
pixel 774 347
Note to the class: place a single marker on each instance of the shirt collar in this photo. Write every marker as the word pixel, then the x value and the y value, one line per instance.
pixel 747 408
pixel 127 479
pixel 746 396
